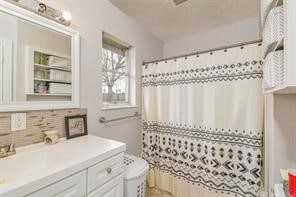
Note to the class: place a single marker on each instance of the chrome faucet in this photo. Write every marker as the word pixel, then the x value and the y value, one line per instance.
pixel 7 150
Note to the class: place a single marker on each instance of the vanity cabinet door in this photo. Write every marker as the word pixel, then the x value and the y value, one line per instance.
pixel 104 171
pixel 113 188
pixel 73 186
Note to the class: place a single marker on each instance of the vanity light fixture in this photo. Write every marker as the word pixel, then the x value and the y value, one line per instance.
pixel 44 10
pixel 67 16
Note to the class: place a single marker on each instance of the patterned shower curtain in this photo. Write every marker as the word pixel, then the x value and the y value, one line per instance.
pixel 203 123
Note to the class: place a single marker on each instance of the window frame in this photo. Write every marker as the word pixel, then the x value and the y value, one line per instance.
pixel 130 83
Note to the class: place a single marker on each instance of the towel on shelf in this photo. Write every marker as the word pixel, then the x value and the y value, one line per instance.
pixel 273 69
pixel 273 30
pixel 59 75
pixel 58 62
pixel 59 88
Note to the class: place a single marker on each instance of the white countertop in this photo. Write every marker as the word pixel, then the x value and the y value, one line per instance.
pixel 41 165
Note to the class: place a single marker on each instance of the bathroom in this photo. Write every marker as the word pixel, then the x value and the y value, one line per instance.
pixel 156 98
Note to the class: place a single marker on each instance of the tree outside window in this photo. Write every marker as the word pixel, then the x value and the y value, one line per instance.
pixel 115 74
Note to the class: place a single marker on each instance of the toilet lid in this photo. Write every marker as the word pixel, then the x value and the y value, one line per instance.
pixel 134 167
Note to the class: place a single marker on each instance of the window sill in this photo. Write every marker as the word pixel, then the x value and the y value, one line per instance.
pixel 114 107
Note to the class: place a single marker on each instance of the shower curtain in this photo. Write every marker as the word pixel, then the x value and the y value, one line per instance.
pixel 203 123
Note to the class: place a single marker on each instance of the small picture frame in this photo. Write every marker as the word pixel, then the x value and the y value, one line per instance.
pixel 76 126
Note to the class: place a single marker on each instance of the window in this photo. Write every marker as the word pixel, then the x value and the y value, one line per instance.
pixel 116 78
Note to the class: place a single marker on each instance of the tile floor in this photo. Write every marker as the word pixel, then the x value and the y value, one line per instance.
pixel 154 192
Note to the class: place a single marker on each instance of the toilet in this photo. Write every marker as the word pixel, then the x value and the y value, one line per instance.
pixel 135 170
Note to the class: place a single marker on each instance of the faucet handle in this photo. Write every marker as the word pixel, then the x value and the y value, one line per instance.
pixel 11 148
pixel 7 150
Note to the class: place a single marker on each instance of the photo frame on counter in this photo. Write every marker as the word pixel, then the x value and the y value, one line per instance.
pixel 76 126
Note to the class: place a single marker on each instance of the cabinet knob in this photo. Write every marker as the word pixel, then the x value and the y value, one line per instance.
pixel 109 170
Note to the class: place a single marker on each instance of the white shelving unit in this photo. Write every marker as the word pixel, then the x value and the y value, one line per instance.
pixel 287 43
pixel 280 103
pixel 32 66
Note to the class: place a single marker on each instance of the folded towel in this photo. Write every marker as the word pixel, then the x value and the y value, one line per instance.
pixel 60 75
pixel 58 88
pixel 58 62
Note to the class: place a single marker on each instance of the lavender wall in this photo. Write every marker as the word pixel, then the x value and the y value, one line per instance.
pixel 90 18
pixel 246 30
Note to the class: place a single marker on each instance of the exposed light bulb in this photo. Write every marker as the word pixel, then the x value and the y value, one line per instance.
pixel 66 16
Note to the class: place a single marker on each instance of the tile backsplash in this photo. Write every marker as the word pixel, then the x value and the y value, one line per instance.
pixel 37 123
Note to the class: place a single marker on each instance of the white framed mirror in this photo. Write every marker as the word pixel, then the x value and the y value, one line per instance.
pixel 39 62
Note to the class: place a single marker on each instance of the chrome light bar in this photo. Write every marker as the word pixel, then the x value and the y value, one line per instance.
pixel 44 10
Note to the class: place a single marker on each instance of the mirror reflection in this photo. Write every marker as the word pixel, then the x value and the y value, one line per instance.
pixel 35 62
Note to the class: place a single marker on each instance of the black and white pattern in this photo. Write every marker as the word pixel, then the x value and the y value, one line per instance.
pixel 232 72
pixel 226 162
pixel 213 135
pixel 127 161
pixel 203 123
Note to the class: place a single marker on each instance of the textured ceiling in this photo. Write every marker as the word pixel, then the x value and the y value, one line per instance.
pixel 168 22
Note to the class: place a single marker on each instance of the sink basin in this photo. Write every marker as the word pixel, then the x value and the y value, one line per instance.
pixel 28 163
pixel 38 166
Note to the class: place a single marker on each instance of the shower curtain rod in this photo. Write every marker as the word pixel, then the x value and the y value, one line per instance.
pixel 204 51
